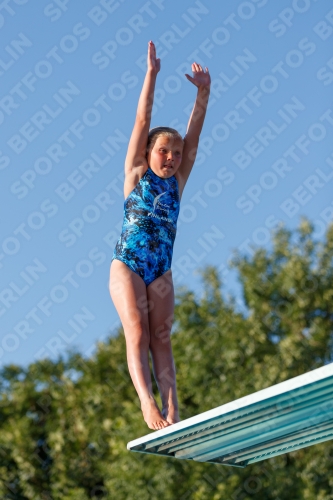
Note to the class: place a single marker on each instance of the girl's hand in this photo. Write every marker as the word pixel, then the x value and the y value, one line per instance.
pixel 200 77
pixel 153 63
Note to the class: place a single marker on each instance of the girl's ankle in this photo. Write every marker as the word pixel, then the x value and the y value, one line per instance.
pixel 171 406
pixel 148 399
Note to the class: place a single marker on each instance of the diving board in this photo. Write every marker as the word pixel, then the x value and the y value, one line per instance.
pixel 276 420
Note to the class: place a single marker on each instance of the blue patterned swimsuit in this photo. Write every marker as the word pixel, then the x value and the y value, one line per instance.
pixel 149 227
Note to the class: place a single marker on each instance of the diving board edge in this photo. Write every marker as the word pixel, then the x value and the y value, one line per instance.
pixel 145 444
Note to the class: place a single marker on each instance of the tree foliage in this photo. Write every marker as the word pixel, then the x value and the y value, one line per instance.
pixel 65 423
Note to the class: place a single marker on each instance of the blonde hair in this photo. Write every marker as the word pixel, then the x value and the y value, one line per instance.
pixel 156 132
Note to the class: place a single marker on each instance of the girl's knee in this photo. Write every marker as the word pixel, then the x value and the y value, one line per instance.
pixel 137 336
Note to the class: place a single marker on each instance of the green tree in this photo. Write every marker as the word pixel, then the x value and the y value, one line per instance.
pixel 65 423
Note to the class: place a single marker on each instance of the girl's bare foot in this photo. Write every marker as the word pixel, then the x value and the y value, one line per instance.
pixel 170 413
pixel 152 415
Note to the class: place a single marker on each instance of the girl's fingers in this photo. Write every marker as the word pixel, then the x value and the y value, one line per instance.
pixel 197 67
pixel 152 54
pixel 151 47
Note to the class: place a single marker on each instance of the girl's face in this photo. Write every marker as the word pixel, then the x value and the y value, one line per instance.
pixel 165 156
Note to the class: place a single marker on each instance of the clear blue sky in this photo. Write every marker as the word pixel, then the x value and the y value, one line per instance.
pixel 71 73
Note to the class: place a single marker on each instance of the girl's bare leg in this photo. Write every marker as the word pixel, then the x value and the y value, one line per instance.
pixel 129 294
pixel 161 297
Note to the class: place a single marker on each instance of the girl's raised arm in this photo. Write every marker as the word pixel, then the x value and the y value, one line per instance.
pixel 201 79
pixel 136 152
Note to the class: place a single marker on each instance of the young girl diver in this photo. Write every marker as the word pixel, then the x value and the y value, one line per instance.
pixel 157 166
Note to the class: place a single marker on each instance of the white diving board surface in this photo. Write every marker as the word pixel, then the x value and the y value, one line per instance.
pixel 277 420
